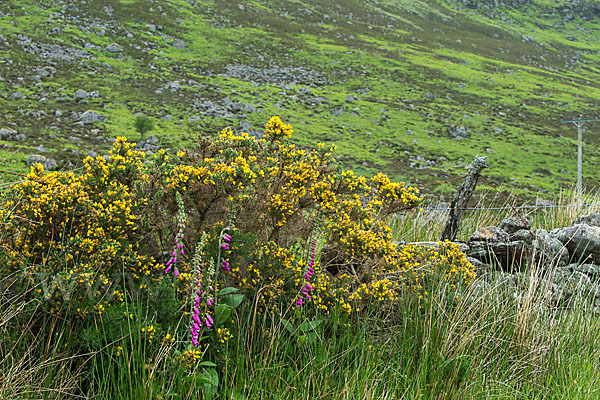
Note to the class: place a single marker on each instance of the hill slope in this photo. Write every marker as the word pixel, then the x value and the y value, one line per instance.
pixel 392 83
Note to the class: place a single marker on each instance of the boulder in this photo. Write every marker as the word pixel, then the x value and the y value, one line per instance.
pixel 582 241
pixel 514 224
pixel 458 132
pixel 7 134
pixel 591 219
pixel 551 250
pixel 490 234
pixel 48 163
pixel 90 117
pixel 81 94
pixel 114 48
pixel 178 44
pixel 505 254
pixel 150 144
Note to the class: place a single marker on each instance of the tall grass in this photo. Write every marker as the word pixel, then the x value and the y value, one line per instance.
pixel 490 341
pixel 428 223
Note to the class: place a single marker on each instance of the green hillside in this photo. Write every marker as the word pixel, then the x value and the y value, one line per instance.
pixel 392 83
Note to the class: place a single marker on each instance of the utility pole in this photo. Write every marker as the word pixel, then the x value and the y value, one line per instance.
pixel 578 122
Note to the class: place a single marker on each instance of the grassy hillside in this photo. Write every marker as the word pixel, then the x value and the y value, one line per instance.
pixel 384 80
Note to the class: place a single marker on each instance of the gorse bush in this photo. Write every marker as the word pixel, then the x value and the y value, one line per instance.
pixel 288 227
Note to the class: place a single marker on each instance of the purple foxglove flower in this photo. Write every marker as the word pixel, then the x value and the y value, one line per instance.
pixel 197 319
pixel 167 270
pixel 209 302
pixel 196 326
pixel 225 265
pixel 225 246
pixel 209 321
pixel 299 302
pixel 176 273
pixel 308 286
pixel 227 237
pixel 307 276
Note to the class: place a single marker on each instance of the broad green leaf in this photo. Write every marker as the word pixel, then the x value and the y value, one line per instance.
pixel 308 326
pixel 227 290
pixel 288 325
pixel 222 312
pixel 233 300
pixel 207 364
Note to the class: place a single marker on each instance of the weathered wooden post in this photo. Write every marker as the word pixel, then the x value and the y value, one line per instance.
pixel 464 193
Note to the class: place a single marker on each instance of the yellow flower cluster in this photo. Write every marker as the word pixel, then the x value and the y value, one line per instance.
pixel 79 229
pixel 84 228
pixel 149 332
pixel 190 358
pixel 223 335
pixel 277 130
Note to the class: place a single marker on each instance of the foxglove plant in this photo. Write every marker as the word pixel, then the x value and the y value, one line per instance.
pixel 202 290
pixel 307 288
pixel 178 247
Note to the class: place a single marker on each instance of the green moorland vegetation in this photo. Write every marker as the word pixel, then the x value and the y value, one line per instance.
pixel 382 79
pixel 254 269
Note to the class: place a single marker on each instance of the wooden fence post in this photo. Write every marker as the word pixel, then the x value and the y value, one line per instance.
pixel 464 193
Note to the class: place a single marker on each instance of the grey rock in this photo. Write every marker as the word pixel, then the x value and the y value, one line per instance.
pixel 462 247
pixel 20 136
pixel 46 71
pixel 591 219
pixel 514 224
pixel 305 91
pixel 92 154
pixel 81 94
pixel 150 144
pixel 245 126
pixel 507 255
pixel 458 132
pixel 167 117
pixel 173 85
pixel 524 235
pixel 114 48
pixel 482 270
pixel 591 270
pixel 350 98
pixel 337 112
pixel 7 134
pixel 16 96
pixel 250 108
pixel 552 251
pixel 41 149
pixel 90 117
pixel 151 27
pixel 48 163
pixel 490 234
pixel 582 241
pixel 178 44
